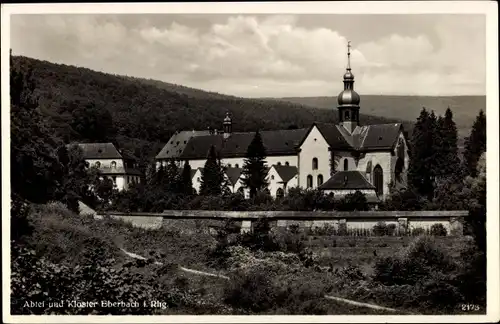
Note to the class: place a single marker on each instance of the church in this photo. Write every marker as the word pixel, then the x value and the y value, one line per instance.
pixel 336 158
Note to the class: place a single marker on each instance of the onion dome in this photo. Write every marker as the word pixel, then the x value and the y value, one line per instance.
pixel 348 97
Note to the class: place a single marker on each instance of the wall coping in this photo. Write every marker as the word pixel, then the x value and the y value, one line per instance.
pixel 214 214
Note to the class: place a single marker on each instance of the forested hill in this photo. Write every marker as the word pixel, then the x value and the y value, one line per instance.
pixel 140 115
pixel 464 108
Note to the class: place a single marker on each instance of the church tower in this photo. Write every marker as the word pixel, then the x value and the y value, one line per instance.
pixel 227 125
pixel 348 100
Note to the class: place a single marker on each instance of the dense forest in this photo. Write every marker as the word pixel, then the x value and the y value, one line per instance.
pixel 140 115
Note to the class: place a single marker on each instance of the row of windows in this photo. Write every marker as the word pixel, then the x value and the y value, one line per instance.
pixel 315 164
pixel 310 180
pixel 98 164
pixel 237 165
pixel 133 179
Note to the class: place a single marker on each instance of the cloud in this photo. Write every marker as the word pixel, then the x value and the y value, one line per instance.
pixel 262 55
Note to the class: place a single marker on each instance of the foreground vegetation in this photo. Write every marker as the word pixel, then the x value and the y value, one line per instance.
pixel 58 255
pixel 64 256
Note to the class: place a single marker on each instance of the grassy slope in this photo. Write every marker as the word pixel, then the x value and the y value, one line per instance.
pixel 465 108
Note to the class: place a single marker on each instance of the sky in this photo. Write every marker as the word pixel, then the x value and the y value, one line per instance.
pixel 269 55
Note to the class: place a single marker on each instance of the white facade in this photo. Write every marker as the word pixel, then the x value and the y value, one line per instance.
pixel 291 160
pixel 112 168
pixel 276 182
pixel 313 147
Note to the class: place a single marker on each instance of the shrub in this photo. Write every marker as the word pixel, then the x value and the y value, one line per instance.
pixel 351 202
pixel 438 230
pixel 380 229
pixel 391 229
pixel 266 288
pixel 418 262
pixel 19 224
pixel 352 273
pixel 417 231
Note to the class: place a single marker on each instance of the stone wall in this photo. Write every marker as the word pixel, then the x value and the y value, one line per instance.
pixel 194 220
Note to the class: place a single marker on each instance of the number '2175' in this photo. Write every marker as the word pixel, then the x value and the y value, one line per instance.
pixel 469 307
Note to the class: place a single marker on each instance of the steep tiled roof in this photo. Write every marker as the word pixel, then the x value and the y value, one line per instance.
pixel 347 180
pixel 99 151
pixel 286 172
pixel 279 142
pixel 381 136
pixel 195 144
pixel 233 174
pixel 176 144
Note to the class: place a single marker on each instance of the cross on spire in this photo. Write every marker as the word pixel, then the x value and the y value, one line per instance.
pixel 348 55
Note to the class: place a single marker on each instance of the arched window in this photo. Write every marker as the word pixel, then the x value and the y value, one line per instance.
pixel 113 165
pixel 315 163
pixel 309 181
pixel 272 177
pixel 97 164
pixel 346 165
pixel 346 114
pixel 279 163
pixel 236 165
pixel 320 180
pixel 280 193
pixel 229 165
pixel 369 171
pixel 198 179
pixel 378 179
pixel 286 163
pixel 400 165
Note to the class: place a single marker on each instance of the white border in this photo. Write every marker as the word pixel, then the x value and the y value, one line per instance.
pixel 489 8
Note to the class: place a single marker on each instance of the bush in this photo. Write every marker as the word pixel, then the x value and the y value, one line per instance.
pixel 418 262
pixel 438 230
pixel 380 229
pixel 269 288
pixel 19 223
pixel 418 231
pixel 351 202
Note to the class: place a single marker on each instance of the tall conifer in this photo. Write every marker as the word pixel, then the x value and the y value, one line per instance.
pixel 254 167
pixel 211 175
pixel 475 144
pixel 421 170
pixel 450 165
pixel 186 182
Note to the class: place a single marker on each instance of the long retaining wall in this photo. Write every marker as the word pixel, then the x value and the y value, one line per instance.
pixel 404 221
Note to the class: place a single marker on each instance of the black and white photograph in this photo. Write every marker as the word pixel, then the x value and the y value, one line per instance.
pixel 247 159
